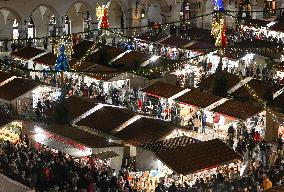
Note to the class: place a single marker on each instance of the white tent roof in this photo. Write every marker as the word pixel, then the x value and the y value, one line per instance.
pixel 9 185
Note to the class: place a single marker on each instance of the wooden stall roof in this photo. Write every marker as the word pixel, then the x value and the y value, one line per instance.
pixel 278 102
pixel 197 98
pixel 5 119
pixel 207 83
pixel 200 45
pixel 131 60
pixel 80 136
pixel 81 48
pixel 199 34
pixel 48 59
pixel 237 109
pixel 162 89
pixel 262 89
pixel 175 41
pixel 198 156
pixel 4 76
pixel 27 53
pixel 72 103
pixel 107 119
pixel 145 130
pixel 279 26
pixel 104 55
pixel 16 88
pixel 151 37
pixel 158 146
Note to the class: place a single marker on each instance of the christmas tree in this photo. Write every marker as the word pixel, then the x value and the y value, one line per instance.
pixel 62 63
pixel 104 22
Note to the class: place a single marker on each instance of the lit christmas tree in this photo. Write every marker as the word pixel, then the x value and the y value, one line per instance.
pixel 62 63
pixel 104 22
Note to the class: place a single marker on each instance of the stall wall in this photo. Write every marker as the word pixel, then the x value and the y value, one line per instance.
pixel 272 127
pixel 146 160
pixel 168 78
pixel 135 80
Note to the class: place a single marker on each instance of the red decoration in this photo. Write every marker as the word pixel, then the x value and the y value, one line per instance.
pixel 105 23
pixel 224 37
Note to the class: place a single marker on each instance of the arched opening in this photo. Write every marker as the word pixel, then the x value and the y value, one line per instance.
pixel 31 28
pixel 44 20
pixel 154 13
pixel 116 16
pixel 9 24
pixel 78 18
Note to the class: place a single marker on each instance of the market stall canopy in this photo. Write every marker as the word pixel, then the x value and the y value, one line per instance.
pixel 106 155
pixel 16 88
pixel 263 89
pixel 89 66
pixel 199 34
pixel 278 102
pixel 5 119
pixel 5 76
pixel 198 156
pixel 131 60
pixel 76 106
pixel 208 83
pixel 161 89
pixel 151 37
pixel 175 41
pixel 200 46
pixel 48 59
pixel 9 185
pixel 80 49
pixel 278 26
pixel 106 118
pixel 145 130
pixel 79 136
pixel 197 98
pixel 158 146
pixel 104 55
pixel 27 53
pixel 238 110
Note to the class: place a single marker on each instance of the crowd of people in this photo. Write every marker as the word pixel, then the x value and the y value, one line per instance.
pixel 42 169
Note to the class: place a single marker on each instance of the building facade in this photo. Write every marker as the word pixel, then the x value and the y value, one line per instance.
pixel 40 18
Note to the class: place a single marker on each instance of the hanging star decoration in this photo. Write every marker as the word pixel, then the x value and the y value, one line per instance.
pixel 62 63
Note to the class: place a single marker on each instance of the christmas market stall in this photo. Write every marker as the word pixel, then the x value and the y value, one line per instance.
pixel 26 55
pixel 72 110
pixel 195 106
pixel 263 89
pixel 79 143
pixel 237 115
pixel 209 82
pixel 96 119
pixel 158 99
pixel 45 63
pixel 184 159
pixel 25 93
